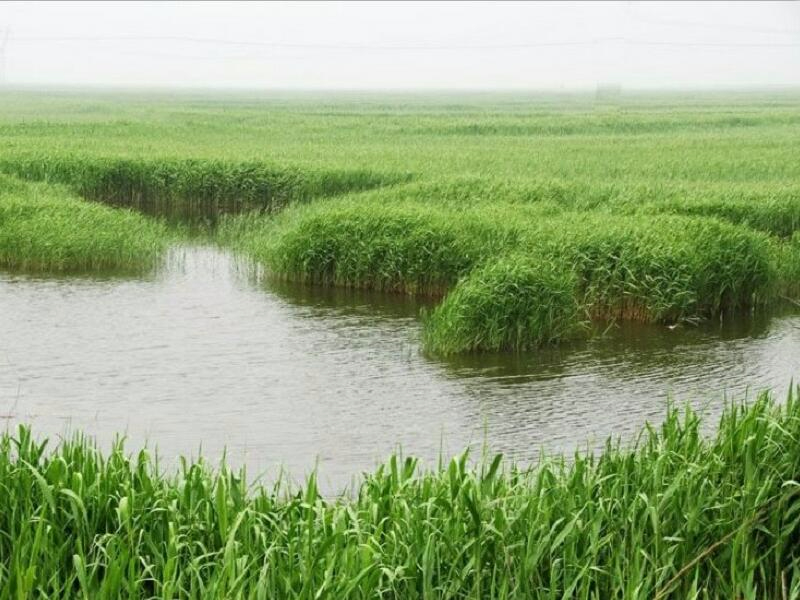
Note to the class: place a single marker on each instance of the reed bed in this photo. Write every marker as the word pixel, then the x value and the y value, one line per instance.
pixel 408 248
pixel 186 188
pixel 514 303
pixel 47 228
pixel 664 268
pixel 678 514
pixel 776 212
pixel 786 255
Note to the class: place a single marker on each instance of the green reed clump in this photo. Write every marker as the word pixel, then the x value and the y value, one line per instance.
pixel 185 187
pixel 669 269
pixel 676 515
pixel 786 256
pixel 663 268
pixel 46 228
pixel 407 247
pixel 459 192
pixel 658 268
pixel 513 303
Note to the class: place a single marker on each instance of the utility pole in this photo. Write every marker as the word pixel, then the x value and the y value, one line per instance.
pixel 3 46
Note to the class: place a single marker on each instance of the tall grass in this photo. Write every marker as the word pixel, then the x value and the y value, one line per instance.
pixel 513 303
pixel 786 255
pixel 403 247
pixel 191 188
pixel 677 515
pixel 773 211
pixel 661 268
pixel 46 228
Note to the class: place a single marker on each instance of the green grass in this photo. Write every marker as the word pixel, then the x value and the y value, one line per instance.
pixel 677 515
pixel 786 254
pixel 400 247
pixel 664 268
pixel 776 211
pixel 513 303
pixel 46 228
pixel 528 214
pixel 190 188
pixel 661 269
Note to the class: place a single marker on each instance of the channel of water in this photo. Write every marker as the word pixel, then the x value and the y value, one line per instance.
pixel 200 357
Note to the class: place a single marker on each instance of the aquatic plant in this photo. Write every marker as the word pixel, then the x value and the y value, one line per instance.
pixel 786 257
pixel 663 268
pixel 659 268
pixel 187 188
pixel 46 228
pixel 676 515
pixel 669 208
pixel 774 211
pixel 513 303
pixel 403 247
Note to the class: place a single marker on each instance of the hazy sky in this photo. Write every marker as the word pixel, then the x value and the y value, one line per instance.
pixel 401 45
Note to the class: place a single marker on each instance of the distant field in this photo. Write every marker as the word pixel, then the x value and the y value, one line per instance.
pixel 657 207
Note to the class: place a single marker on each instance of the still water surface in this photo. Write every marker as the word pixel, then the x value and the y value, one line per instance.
pixel 200 356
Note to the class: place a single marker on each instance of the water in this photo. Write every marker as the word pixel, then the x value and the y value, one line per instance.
pixel 199 356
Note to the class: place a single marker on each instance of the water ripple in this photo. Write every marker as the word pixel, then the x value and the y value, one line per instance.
pixel 198 356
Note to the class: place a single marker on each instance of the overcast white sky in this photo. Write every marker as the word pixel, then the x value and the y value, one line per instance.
pixel 401 45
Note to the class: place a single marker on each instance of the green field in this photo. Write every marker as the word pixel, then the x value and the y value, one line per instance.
pixel 659 208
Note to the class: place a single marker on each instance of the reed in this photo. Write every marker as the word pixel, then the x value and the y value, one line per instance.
pixel 664 268
pixel 191 189
pixel 46 228
pixel 514 303
pixel 663 209
pixel 775 211
pixel 677 514
pixel 355 242
pixel 786 255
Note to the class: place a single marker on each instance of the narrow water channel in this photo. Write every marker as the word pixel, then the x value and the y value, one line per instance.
pixel 198 356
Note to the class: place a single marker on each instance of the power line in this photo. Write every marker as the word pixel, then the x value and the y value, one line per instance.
pixel 414 47
pixel 718 26
pixel 226 42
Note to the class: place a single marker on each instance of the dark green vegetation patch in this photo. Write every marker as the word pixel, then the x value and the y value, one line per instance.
pixel 187 188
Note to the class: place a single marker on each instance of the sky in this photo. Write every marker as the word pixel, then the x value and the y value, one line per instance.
pixel 401 45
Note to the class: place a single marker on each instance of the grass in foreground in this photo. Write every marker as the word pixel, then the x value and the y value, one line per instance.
pixel 679 515
pixel 46 228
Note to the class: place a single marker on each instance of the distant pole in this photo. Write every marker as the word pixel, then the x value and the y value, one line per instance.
pixel 3 45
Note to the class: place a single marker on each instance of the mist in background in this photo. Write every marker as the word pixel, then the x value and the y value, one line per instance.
pixel 358 45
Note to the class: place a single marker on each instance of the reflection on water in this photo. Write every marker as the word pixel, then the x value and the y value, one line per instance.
pixel 199 357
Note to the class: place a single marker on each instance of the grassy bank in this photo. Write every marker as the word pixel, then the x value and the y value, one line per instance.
pixel 678 515
pixel 47 228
